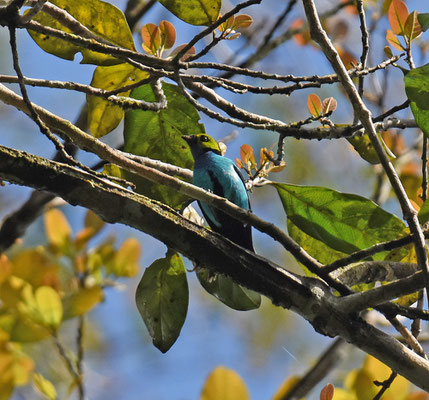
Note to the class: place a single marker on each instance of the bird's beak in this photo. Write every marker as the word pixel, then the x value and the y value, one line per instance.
pixel 187 138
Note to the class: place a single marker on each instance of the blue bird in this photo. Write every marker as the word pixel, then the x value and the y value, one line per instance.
pixel 220 175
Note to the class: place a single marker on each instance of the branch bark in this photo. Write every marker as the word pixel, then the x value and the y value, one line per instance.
pixel 307 296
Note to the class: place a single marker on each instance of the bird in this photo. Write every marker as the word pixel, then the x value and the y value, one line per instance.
pixel 219 175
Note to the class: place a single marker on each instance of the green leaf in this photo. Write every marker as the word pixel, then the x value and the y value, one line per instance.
pixel 195 12
pixel 316 248
pixel 424 213
pixel 417 86
pixel 421 117
pixel 228 292
pixel 103 115
pixel 162 299
pixel 101 18
pixel 158 135
pixel 344 222
pixel 423 21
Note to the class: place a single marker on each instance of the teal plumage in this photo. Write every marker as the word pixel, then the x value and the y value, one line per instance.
pixel 220 176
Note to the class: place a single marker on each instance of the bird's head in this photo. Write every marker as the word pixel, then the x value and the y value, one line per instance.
pixel 201 144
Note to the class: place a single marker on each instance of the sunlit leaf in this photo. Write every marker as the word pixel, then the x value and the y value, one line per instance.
pixel 242 21
pixel 101 18
pixel 162 299
pixel 5 268
pixel 398 14
pixel 348 59
pixel 22 368
pixel 314 105
pixel 286 386
pixel 57 228
pixel 344 222
pixel 45 387
pixel 125 259
pixel 82 301
pixel 388 51
pixel 23 329
pixel 158 135
pixel 224 384
pixel 195 12
pixel 412 26
pixel 228 292
pixel 93 225
pixel 168 34
pixel 191 52
pixel 44 306
pixel 302 38
pixel 49 306
pixel 36 267
pixel 327 392
pixel 103 115
pixel 151 38
pixel 247 155
pixel 394 40
pixel 329 105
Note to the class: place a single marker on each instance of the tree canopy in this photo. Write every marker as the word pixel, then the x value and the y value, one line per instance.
pixel 308 94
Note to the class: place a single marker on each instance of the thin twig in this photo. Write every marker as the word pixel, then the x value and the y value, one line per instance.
pixel 213 26
pixel 385 385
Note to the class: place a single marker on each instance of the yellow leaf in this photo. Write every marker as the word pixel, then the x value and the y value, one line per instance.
pixel 125 260
pixel 224 384
pixel 49 305
pixel 45 387
pixel 36 267
pixel 22 368
pixel 44 306
pixel 286 387
pixel 57 228
pixel 82 301
pixel 5 268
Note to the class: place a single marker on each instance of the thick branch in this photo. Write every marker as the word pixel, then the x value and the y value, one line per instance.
pixel 309 297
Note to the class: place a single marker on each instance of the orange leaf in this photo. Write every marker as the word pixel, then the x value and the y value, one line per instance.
pixel 242 21
pixel 327 392
pixel 247 155
pixel 398 14
pixel 393 40
pixel 347 58
pixel 191 52
pixel 239 163
pixel 329 105
pixel 302 38
pixel 412 26
pixel 314 105
pixel 168 34
pixel 151 38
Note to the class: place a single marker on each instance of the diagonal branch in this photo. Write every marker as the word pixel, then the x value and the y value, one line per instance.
pixel 364 115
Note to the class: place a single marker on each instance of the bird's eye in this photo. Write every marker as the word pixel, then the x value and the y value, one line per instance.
pixel 204 138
